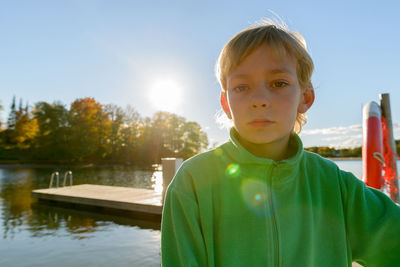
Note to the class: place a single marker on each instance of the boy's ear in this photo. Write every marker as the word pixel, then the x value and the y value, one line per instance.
pixel 224 105
pixel 307 99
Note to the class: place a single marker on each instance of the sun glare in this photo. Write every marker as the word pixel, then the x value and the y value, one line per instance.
pixel 165 95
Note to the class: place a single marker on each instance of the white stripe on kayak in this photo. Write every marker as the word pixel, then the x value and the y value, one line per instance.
pixel 371 109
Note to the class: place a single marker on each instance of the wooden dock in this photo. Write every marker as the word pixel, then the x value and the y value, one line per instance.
pixel 120 198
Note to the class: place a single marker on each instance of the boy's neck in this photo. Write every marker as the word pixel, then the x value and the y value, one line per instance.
pixel 277 150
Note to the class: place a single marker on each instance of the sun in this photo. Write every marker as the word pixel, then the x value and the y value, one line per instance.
pixel 165 95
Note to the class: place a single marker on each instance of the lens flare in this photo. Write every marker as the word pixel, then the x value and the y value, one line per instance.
pixel 233 170
pixel 254 193
pixel 258 197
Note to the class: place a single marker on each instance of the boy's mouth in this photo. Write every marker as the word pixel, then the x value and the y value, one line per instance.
pixel 261 122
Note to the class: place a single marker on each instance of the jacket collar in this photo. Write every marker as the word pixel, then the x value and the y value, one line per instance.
pixel 241 155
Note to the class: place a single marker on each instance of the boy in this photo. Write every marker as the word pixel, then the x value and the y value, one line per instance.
pixel 260 199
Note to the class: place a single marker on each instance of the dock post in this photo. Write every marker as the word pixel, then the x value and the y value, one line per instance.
pixel 386 112
pixel 169 168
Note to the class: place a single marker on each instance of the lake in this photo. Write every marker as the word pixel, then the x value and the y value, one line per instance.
pixel 37 234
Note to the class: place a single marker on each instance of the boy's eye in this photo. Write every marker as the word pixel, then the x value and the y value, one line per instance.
pixel 279 84
pixel 240 88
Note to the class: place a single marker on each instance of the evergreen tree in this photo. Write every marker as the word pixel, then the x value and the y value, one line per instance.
pixel 1 108
pixel 12 116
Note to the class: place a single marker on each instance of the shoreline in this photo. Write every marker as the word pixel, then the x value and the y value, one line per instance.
pixel 4 165
pixel 62 165
pixel 344 159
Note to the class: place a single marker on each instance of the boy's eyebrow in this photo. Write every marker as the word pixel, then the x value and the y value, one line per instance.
pixel 236 76
pixel 279 71
pixel 273 71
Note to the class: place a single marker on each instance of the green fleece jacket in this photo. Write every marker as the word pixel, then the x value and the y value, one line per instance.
pixel 226 207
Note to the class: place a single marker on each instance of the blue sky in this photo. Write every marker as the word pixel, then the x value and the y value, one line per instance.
pixel 115 51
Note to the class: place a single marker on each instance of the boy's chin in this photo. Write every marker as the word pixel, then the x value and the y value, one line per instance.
pixel 263 139
pixel 257 140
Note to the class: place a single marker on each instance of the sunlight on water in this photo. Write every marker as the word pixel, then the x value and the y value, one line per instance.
pixel 157 180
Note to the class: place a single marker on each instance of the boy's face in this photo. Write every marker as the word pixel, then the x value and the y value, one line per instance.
pixel 263 97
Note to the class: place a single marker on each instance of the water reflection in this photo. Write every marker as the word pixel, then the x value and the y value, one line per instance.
pixel 21 212
pixel 157 180
pixel 37 233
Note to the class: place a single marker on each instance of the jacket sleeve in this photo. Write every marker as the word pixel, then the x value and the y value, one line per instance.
pixel 373 224
pixel 182 242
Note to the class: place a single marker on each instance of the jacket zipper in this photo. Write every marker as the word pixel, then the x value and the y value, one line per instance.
pixel 275 227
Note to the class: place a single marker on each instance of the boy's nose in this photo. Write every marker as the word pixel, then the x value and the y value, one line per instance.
pixel 260 101
pixel 262 105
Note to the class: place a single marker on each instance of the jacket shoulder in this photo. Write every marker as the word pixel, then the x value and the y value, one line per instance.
pixel 215 158
pixel 201 168
pixel 328 171
pixel 317 161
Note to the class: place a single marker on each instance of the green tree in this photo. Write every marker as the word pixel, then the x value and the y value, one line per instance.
pixel 313 149
pixel 194 140
pixel 12 116
pixel 326 151
pixel 147 155
pixel 51 141
pixel 356 152
pixel 170 135
pixel 1 121
pixel 130 135
pixel 116 117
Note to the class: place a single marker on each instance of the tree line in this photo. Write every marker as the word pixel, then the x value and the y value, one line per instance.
pixel 92 132
pixel 332 152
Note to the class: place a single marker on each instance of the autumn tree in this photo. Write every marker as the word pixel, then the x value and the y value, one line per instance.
pixel 22 127
pixel 89 130
pixel 26 129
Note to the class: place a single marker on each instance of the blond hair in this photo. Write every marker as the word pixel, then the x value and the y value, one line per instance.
pixel 281 40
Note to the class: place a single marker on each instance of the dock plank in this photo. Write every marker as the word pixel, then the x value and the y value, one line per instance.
pixel 122 198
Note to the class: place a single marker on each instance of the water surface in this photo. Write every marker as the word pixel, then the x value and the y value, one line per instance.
pixel 39 234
